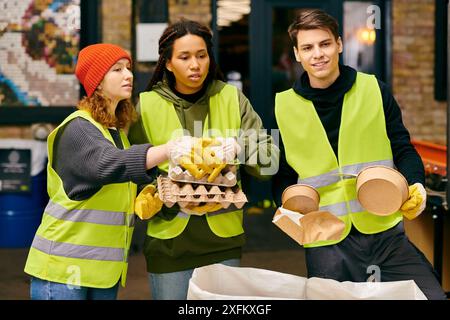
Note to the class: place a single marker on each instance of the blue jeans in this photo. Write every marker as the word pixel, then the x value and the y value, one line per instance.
pixel 174 285
pixel 48 290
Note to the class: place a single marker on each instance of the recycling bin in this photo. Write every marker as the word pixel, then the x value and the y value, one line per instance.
pixel 21 203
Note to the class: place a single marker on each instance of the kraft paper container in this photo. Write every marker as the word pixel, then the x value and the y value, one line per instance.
pixel 290 226
pixel 312 227
pixel 301 198
pixel 381 190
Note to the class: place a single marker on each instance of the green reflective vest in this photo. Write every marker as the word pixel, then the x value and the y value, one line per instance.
pixel 363 142
pixel 161 124
pixel 84 243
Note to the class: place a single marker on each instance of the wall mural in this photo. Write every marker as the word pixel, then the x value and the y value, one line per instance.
pixel 39 41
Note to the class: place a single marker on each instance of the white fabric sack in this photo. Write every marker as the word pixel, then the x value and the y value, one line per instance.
pixel 328 289
pixel 220 282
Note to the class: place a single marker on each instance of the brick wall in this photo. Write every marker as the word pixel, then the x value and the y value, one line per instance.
pixel 116 22
pixel 199 10
pixel 413 69
pixel 15 132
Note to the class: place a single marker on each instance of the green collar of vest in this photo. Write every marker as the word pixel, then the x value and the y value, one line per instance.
pixel 163 89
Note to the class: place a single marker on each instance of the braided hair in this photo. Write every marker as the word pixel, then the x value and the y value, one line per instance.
pixel 165 50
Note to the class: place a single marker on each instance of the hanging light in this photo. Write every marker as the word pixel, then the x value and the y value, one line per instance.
pixel 366 36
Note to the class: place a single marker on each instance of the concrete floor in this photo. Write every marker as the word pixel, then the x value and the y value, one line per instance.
pixel 267 248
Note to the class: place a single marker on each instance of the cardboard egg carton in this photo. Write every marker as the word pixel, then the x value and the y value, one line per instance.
pixel 227 177
pixel 190 194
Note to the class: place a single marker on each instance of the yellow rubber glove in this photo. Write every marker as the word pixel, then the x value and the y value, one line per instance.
pixel 147 203
pixel 416 202
pixel 200 210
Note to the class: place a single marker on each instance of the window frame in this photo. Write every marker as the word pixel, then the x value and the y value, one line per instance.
pixel 441 51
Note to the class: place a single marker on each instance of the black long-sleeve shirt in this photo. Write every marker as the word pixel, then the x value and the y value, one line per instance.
pixel 86 161
pixel 328 105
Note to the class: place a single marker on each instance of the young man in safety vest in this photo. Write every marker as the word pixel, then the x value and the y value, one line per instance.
pixel 336 119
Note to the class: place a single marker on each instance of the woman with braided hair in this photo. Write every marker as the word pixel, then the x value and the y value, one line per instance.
pixel 186 90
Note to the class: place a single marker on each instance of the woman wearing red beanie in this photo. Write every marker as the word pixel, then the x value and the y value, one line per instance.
pixel 187 90
pixel 80 250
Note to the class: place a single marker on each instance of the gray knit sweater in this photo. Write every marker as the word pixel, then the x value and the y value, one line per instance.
pixel 86 161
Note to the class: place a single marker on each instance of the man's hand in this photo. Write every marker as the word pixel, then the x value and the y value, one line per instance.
pixel 416 202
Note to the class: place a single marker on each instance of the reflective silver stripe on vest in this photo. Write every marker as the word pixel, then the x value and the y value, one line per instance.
pixel 333 176
pixel 182 215
pixel 355 206
pixel 131 220
pixel 77 251
pixel 322 180
pixel 356 168
pixel 338 209
pixel 86 215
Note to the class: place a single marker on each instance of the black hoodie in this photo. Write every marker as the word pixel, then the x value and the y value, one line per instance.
pixel 328 105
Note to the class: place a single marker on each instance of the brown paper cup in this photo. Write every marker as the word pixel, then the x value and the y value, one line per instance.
pixel 381 190
pixel 301 198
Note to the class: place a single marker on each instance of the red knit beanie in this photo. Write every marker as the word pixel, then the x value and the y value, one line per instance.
pixel 94 61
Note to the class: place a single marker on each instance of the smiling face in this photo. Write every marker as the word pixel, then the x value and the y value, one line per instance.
pixel 117 83
pixel 189 63
pixel 318 52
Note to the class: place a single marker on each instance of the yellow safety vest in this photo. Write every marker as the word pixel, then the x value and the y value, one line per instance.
pixel 84 243
pixel 363 142
pixel 161 124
